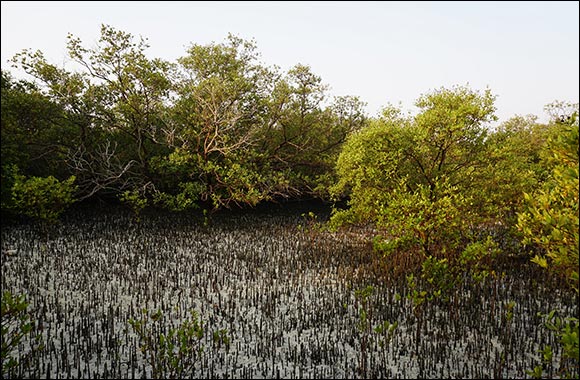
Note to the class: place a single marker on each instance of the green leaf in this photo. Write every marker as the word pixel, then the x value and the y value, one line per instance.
pixel 541 261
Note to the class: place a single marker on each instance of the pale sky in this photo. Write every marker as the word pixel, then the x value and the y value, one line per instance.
pixel 527 53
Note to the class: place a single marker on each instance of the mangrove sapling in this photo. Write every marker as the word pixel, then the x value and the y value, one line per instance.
pixel 438 280
pixel 567 331
pixel 538 370
pixel 418 298
pixel 363 325
pixel 221 338
pixel 385 329
pixel 507 338
pixel 175 353
pixel 312 227
pixel 16 325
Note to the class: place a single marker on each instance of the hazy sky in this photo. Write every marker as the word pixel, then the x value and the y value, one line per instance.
pixel 527 53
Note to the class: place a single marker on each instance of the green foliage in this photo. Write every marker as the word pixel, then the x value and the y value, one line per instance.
pixel 311 224
pixel 116 104
pixel 432 220
pixel 362 295
pixel 221 338
pixel 367 168
pixel 477 258
pixel 186 199
pixel 416 295
pixel 550 220
pixel 509 310
pixel 34 134
pixel 16 325
pixel 439 278
pixel 567 331
pixel 9 172
pixel 304 139
pixel 437 281
pixel 416 178
pixel 172 353
pixel 447 191
pixel 215 127
pixel 43 198
pixel 219 113
pixel 219 127
pixel 510 167
pixel 136 201
pixel 385 330
pixel 271 137
pixel 477 252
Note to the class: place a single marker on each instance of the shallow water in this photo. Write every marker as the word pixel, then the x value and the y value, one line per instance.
pixel 285 296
